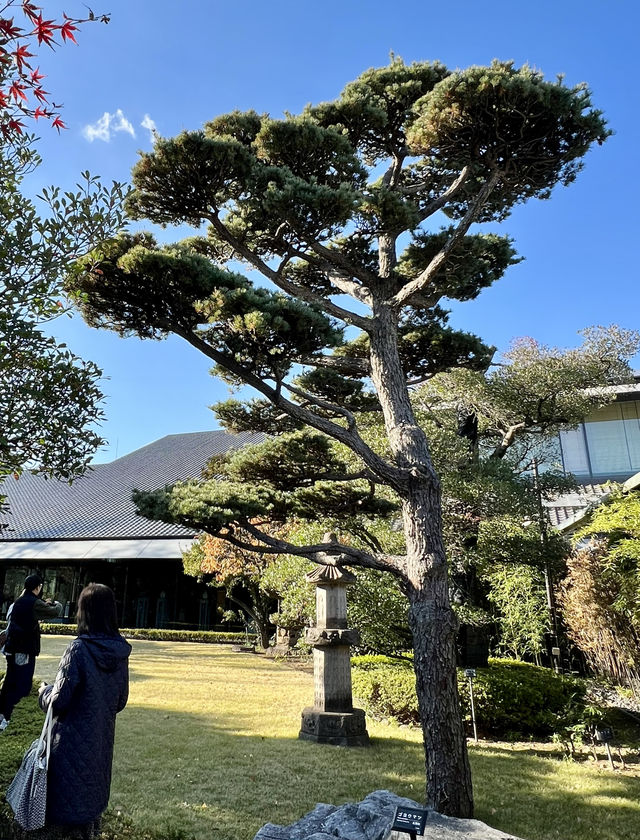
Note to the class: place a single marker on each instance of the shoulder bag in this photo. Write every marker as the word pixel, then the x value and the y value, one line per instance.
pixel 27 793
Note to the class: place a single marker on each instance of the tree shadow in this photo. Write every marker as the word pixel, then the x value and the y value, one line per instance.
pixel 539 798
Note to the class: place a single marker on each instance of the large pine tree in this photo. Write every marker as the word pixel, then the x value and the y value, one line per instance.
pixel 357 213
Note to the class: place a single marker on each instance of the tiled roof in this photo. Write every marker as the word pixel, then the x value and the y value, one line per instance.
pixel 98 505
pixel 567 509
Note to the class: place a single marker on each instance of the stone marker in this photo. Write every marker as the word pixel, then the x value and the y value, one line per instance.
pixel 332 719
pixel 372 819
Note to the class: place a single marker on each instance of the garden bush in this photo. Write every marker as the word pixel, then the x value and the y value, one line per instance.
pixel 510 696
pixel 387 687
pixel 158 635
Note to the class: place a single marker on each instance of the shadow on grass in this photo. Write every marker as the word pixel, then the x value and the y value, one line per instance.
pixel 185 775
pixel 232 762
pixel 540 798
pixel 202 776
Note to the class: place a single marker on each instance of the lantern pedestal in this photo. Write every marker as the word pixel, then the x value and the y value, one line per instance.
pixel 340 729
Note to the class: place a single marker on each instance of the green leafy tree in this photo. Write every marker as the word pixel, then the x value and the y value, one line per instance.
pixel 336 209
pixel 239 572
pixel 376 606
pixel 517 407
pixel 49 397
pixel 498 553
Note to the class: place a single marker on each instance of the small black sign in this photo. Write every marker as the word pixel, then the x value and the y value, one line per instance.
pixel 409 820
pixel 604 734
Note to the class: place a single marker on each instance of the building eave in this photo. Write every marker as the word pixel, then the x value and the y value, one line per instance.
pixel 62 551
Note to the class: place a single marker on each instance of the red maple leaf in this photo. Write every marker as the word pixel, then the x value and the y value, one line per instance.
pixel 57 123
pixel 16 125
pixel 67 29
pixel 8 29
pixel 30 10
pixel 45 30
pixel 36 75
pixel 39 112
pixel 3 99
pixel 40 94
pixel 22 55
pixel 17 91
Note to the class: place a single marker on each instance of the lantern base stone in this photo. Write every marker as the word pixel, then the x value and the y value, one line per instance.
pixel 340 729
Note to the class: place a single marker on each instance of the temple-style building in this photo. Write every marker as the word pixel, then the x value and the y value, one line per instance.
pixel 89 531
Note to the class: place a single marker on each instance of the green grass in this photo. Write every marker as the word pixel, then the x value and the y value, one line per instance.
pixel 207 748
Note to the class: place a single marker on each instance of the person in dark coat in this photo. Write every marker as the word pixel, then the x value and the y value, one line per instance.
pixel 22 644
pixel 91 687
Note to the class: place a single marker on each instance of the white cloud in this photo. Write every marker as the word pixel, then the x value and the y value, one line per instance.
pixel 107 125
pixel 99 130
pixel 150 125
pixel 121 123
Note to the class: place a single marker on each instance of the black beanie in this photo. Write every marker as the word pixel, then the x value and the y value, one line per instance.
pixel 32 581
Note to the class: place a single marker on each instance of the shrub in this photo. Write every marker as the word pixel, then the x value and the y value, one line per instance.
pixel 513 696
pixel 510 696
pixel 155 634
pixel 387 686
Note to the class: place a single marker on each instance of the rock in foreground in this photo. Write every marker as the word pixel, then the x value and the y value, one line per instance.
pixel 371 819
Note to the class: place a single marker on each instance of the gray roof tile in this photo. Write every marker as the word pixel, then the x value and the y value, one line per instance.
pixel 98 505
pixel 567 508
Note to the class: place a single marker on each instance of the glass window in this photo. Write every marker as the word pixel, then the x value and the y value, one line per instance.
pixel 574 452
pixel 631 417
pixel 607 444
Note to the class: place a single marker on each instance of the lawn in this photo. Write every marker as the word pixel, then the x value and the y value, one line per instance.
pixel 207 748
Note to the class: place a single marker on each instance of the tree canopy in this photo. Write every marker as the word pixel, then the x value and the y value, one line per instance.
pixel 358 213
pixel 49 397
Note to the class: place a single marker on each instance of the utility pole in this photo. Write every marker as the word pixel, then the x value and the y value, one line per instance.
pixel 548 577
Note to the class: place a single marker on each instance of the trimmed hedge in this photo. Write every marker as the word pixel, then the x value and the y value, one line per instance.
pixel 212 637
pixel 509 696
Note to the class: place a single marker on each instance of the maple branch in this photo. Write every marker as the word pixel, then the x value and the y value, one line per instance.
pixel 417 285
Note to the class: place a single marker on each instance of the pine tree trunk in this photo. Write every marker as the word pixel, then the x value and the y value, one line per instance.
pixel 434 625
pixel 432 620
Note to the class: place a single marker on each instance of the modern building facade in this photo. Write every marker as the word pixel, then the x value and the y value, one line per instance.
pixel 602 453
pixel 606 446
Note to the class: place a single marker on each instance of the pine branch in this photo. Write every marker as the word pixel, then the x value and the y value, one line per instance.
pixel 279 280
pixel 396 478
pixel 421 282
pixel 352 556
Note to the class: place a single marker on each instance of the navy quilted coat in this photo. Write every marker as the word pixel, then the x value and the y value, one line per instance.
pixel 91 687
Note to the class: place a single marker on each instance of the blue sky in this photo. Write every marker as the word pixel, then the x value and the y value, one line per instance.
pixel 177 65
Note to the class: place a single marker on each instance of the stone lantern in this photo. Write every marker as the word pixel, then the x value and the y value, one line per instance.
pixel 332 719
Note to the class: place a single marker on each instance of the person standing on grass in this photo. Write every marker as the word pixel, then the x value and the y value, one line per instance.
pixel 22 644
pixel 91 687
